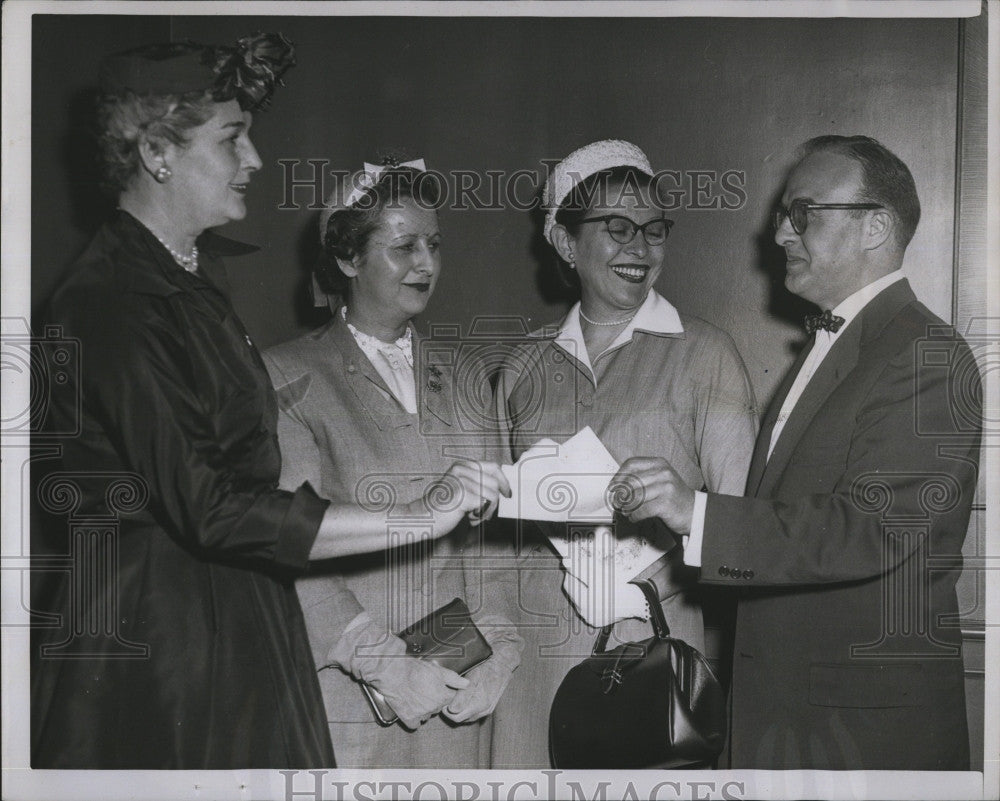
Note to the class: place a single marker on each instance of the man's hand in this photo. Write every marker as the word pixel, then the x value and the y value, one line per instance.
pixel 648 486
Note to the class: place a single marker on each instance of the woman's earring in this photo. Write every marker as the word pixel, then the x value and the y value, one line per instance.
pixel 162 174
pixel 572 262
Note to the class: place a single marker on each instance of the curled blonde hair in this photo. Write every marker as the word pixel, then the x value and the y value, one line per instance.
pixel 125 120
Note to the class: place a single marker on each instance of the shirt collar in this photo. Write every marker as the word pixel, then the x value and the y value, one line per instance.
pixel 372 345
pixel 656 316
pixel 852 306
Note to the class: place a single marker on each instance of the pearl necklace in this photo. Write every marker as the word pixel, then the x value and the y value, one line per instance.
pixel 622 321
pixel 189 262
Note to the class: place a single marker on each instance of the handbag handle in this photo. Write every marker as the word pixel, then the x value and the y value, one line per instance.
pixel 656 616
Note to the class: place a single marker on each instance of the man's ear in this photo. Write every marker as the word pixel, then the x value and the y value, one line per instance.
pixel 880 228
pixel 152 154
pixel 348 267
pixel 562 241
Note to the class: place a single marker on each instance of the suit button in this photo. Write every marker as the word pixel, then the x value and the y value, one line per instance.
pixel 748 574
pixel 587 401
pixel 351 368
pixel 723 571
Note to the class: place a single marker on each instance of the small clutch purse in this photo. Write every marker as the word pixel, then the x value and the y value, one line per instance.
pixel 446 636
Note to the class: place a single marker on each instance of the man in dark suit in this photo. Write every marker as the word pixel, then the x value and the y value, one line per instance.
pixel 847 544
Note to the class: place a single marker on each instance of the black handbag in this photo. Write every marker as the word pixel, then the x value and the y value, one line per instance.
pixel 649 704
pixel 447 636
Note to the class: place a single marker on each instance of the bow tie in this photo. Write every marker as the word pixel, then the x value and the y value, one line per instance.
pixel 827 321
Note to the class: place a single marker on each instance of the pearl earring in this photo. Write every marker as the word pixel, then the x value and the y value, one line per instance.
pixel 162 174
pixel 572 262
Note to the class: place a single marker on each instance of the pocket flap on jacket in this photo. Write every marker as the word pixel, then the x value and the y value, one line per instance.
pixel 865 686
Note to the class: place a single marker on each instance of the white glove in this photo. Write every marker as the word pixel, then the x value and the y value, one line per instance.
pixel 597 574
pixel 416 689
pixel 488 681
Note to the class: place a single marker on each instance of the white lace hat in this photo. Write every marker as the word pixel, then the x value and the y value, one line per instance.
pixel 580 165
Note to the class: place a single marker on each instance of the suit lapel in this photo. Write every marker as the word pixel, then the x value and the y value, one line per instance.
pixel 837 365
pixel 365 381
pixel 759 460
pixel 841 359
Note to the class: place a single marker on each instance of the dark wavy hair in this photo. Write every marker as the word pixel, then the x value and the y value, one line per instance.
pixel 349 230
pixel 885 179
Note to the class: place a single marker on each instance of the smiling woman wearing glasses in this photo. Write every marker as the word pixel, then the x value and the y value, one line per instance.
pixel 646 379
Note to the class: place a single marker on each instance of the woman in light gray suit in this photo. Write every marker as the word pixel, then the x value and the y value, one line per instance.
pixel 362 424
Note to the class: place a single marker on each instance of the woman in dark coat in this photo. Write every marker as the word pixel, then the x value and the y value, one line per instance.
pixel 208 665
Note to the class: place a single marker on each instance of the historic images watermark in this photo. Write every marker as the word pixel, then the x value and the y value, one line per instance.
pixel 312 184
pixel 322 785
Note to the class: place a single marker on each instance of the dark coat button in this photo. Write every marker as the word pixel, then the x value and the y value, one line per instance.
pixel 723 571
pixel 748 574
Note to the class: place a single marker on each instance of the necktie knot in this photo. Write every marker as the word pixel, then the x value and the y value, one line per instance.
pixel 828 321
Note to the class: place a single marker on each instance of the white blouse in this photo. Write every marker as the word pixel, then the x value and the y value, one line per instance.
pixel 392 360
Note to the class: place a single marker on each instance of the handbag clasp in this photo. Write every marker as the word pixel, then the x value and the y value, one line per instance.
pixel 611 679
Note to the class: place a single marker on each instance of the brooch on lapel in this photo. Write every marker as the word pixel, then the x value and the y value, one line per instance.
pixel 434 382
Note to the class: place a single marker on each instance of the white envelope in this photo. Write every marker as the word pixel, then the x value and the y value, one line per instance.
pixel 568 483
pixel 561 483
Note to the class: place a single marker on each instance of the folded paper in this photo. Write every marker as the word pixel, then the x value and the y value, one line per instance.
pixel 568 483
pixel 561 482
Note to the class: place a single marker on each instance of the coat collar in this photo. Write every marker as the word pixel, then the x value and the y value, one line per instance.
pixel 852 306
pixel 866 327
pixel 149 270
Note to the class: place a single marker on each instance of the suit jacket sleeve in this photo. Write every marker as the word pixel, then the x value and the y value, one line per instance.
pixel 892 468
pixel 300 456
pixel 328 605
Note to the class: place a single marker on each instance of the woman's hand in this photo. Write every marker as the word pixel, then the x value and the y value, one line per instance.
pixel 468 488
pixel 486 685
pixel 647 486
pixel 415 689
pixel 488 680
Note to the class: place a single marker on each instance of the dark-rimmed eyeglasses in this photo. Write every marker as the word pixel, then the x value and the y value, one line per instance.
pixel 798 213
pixel 623 230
